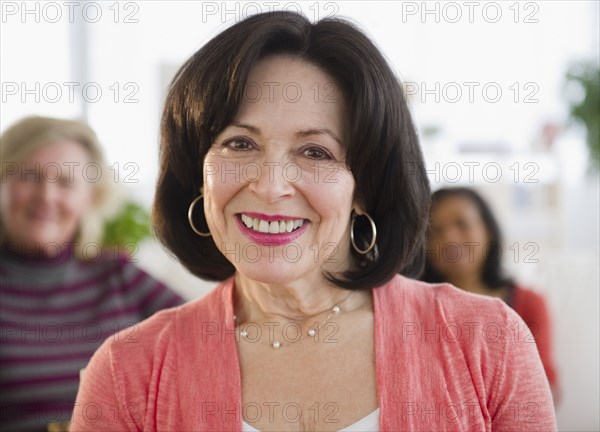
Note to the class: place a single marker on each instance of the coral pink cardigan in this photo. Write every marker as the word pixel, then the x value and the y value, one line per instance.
pixel 445 360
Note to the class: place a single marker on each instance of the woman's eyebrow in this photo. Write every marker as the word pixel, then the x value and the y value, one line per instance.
pixel 251 128
pixel 299 134
pixel 320 131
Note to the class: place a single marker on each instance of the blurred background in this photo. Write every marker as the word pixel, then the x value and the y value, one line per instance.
pixel 505 96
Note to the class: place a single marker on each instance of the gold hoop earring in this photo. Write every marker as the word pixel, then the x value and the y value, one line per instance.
pixel 373 231
pixel 190 211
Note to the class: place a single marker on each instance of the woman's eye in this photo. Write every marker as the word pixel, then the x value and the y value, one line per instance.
pixel 239 144
pixel 462 225
pixel 434 231
pixel 66 182
pixel 316 153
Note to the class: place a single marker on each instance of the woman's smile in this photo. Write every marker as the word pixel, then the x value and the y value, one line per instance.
pixel 274 230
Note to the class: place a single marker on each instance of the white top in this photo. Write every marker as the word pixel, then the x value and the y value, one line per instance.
pixel 369 423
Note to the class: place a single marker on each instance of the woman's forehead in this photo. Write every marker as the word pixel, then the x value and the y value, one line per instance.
pixel 455 205
pixel 288 93
pixel 59 150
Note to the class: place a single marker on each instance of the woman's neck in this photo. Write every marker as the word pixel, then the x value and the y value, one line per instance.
pixel 293 301
pixel 51 254
pixel 469 282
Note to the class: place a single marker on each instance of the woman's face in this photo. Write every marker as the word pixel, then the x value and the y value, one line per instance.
pixel 45 199
pixel 457 237
pixel 277 192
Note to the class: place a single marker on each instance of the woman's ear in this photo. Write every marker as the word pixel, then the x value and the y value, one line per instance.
pixel 359 210
pixel 359 204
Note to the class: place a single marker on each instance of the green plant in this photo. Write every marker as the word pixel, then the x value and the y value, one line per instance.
pixel 130 225
pixel 587 110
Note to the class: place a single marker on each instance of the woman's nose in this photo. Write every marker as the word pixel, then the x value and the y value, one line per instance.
pixel 452 235
pixel 46 191
pixel 273 184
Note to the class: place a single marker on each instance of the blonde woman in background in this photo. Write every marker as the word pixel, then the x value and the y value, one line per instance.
pixel 61 294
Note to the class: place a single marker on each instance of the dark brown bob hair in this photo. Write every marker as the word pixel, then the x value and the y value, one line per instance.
pixel 383 154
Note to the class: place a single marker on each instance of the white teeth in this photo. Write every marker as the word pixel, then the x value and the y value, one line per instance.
pixel 247 220
pixel 274 227
pixel 263 227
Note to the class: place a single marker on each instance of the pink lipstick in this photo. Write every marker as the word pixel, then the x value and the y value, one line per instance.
pixel 268 239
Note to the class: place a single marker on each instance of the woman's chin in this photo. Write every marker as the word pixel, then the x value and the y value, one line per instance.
pixel 461 270
pixel 276 272
pixel 37 241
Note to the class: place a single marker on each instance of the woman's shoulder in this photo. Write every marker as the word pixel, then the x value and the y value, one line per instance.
pixel 168 327
pixel 471 346
pixel 477 325
pixel 416 297
pixel 531 306
pixel 115 268
pixel 139 358
pixel 107 258
pixel 528 295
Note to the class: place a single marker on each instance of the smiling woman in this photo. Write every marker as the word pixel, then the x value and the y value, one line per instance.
pixel 291 172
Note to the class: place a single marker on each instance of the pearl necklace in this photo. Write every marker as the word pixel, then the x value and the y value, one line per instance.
pixel 276 344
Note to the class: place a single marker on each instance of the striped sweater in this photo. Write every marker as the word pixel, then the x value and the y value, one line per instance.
pixel 54 313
